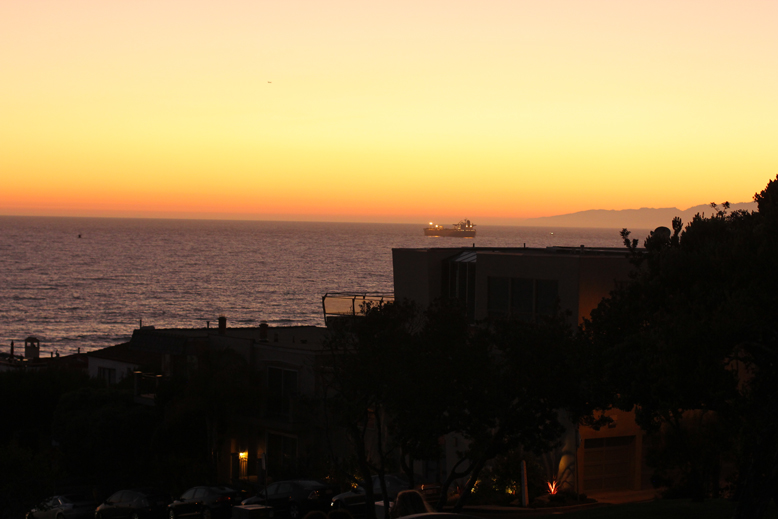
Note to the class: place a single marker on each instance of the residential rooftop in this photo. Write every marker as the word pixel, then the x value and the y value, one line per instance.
pixel 295 337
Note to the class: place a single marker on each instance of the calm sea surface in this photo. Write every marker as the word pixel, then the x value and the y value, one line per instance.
pixel 93 291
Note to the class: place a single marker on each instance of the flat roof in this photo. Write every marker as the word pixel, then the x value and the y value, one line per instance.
pixel 125 353
pixel 470 252
pixel 300 337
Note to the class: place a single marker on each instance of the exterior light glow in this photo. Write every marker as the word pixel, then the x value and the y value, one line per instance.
pixel 552 488
pixel 243 455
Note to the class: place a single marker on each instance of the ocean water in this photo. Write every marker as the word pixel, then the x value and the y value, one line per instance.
pixel 93 291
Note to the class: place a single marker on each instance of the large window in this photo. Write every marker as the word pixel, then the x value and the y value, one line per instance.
pixel 107 374
pixel 459 280
pixel 522 298
pixel 499 296
pixel 282 388
pixel 546 296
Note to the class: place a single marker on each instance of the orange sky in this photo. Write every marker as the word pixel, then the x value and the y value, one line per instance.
pixel 384 111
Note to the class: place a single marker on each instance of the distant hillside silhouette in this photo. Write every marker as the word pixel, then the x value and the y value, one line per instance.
pixel 643 218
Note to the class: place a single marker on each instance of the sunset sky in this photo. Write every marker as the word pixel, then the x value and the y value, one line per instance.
pixel 391 111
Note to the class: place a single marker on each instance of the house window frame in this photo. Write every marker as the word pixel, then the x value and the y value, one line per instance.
pixel 107 375
pixel 280 402
pixel 495 310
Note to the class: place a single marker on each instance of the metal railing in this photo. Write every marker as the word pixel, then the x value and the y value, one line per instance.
pixel 341 304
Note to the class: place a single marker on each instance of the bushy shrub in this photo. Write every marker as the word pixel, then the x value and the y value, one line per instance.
pixel 691 457
pixel 500 483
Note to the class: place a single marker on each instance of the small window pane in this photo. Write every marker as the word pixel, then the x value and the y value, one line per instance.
pixel 290 383
pixel 521 296
pixel 499 295
pixel 619 441
pixel 547 293
pixel 274 379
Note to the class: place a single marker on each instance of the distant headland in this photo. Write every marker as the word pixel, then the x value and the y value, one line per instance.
pixel 643 218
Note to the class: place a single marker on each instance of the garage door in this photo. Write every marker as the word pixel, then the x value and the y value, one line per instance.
pixel 609 463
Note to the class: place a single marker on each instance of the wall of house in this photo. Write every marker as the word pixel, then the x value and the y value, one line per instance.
pixel 562 268
pixel 297 431
pixel 122 369
pixel 561 463
pixel 598 276
pixel 418 273
pixel 612 458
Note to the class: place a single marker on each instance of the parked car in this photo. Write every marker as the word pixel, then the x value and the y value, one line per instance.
pixel 294 499
pixel 137 503
pixel 206 502
pixel 69 506
pixel 354 500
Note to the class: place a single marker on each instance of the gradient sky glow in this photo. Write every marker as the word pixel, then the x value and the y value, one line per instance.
pixel 384 111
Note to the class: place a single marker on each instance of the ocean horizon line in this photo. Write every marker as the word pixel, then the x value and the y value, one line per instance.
pixel 525 222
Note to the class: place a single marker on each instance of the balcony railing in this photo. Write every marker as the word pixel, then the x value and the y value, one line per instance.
pixel 343 304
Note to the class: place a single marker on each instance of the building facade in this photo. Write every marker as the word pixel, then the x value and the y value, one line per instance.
pixel 525 283
pixel 283 439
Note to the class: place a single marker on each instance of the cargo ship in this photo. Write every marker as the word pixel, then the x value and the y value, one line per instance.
pixel 463 229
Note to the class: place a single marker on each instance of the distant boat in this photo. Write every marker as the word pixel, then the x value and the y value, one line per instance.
pixel 463 229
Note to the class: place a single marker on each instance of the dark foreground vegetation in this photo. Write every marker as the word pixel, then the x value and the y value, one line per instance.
pixel 691 343
pixel 62 432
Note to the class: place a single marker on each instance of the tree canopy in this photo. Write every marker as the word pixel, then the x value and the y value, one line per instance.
pixel 401 379
pixel 694 334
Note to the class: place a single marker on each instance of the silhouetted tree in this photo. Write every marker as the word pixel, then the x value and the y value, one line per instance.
pixel 694 335
pixel 432 383
pixel 29 400
pixel 420 377
pixel 532 372
pixel 104 435
pixel 360 375
pixel 30 465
